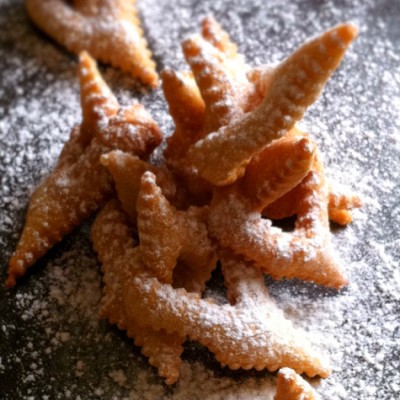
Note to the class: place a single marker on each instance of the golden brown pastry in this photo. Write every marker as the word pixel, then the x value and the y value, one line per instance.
pixel 167 235
pixel 235 215
pixel 222 156
pixel 108 29
pixel 79 183
pixel 291 386
pixel 118 254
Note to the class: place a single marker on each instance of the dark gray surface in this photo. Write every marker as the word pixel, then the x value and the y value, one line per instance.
pixel 50 341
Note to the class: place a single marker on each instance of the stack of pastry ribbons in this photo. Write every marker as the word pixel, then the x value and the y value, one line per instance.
pixel 234 162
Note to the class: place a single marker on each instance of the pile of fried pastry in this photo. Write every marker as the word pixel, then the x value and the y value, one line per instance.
pixel 235 162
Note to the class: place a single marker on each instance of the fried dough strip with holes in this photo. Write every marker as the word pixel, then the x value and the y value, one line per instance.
pixel 70 194
pixel 222 156
pixel 108 29
pixel 120 259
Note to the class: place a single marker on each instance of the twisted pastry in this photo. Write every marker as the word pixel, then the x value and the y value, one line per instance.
pixel 108 29
pixel 340 205
pixel 220 89
pixel 259 337
pixel 120 259
pixel 70 194
pixel 235 215
pixel 168 236
pixel 222 156
pixel 127 170
pixel 187 109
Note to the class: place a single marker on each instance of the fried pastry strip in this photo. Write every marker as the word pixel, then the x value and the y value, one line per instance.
pixel 305 253
pixel 222 156
pixel 73 148
pixel 187 109
pixel 121 262
pixel 249 81
pixel 168 235
pixel 258 345
pixel 340 203
pixel 97 100
pixel 130 129
pixel 246 286
pixel 291 386
pixel 65 198
pixel 112 240
pixel 70 193
pixel 339 206
pixel 127 171
pixel 109 29
pixel 276 170
pixel 186 104
pixel 220 73
pixel 221 80
pixel 273 172
pixel 261 78
pixel 239 337
pixel 212 31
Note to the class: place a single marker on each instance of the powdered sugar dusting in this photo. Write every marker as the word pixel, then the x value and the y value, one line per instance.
pixel 61 350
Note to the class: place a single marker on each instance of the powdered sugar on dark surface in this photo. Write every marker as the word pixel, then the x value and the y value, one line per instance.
pixel 52 345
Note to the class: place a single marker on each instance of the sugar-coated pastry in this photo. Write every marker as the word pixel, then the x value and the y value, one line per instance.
pixel 127 170
pixel 212 31
pixel 234 161
pixel 306 253
pixel 187 110
pixel 340 205
pixel 222 156
pixel 118 254
pixel 79 183
pixel 108 29
pixel 291 386
pixel 258 336
pixel 167 235
pixel 269 341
